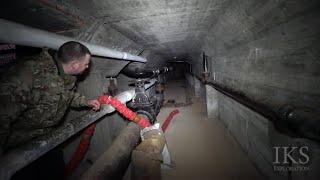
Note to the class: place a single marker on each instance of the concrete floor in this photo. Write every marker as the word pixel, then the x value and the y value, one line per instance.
pixel 202 148
pixel 176 91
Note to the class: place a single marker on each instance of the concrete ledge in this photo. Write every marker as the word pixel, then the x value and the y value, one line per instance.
pixel 258 137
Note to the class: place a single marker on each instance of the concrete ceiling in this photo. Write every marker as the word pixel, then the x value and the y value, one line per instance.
pixel 172 28
pixel 39 14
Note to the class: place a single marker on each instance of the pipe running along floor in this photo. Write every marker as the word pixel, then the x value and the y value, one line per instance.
pixel 201 148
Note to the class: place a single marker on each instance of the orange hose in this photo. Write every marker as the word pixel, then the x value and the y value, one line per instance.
pixel 81 150
pixel 124 110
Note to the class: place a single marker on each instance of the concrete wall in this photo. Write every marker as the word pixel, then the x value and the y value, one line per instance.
pixel 198 89
pixel 212 102
pixel 258 138
pixel 268 50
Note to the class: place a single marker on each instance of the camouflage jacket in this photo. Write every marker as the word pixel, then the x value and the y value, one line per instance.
pixel 34 96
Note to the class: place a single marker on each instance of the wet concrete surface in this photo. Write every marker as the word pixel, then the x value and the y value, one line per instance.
pixel 202 148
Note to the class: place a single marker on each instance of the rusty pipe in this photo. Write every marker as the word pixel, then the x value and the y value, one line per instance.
pixel 113 163
pixel 146 159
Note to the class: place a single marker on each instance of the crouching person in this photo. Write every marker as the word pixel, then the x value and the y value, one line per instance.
pixel 36 93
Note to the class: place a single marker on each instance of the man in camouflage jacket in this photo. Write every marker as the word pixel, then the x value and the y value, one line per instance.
pixel 35 94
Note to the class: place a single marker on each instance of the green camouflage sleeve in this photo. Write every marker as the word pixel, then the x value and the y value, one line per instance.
pixel 78 100
pixel 13 101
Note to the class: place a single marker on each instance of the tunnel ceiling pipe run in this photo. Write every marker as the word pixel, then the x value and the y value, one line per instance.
pixel 19 34
pixel 20 157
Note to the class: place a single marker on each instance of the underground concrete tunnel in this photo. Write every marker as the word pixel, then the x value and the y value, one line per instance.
pixel 154 89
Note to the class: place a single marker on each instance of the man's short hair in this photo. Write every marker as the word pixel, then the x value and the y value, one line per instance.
pixel 72 50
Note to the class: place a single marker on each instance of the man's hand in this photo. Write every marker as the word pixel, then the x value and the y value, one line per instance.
pixel 95 104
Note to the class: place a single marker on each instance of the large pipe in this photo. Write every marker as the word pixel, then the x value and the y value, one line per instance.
pixel 19 34
pixel 113 163
pixel 139 70
pixel 18 158
pixel 146 159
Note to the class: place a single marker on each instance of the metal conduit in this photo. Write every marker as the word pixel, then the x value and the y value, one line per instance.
pixel 20 157
pixel 19 34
